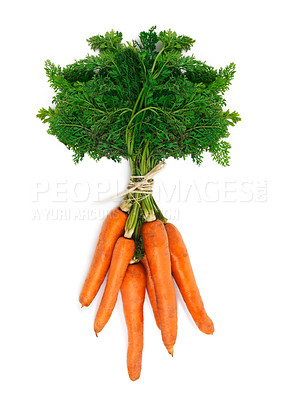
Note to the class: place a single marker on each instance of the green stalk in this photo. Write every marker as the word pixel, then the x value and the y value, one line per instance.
pixel 159 215
pixel 146 204
pixel 139 165
pixel 132 220
pixel 153 66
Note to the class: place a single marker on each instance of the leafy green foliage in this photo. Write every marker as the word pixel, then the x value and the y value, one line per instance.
pixel 172 42
pixel 111 41
pixel 141 95
pixel 147 46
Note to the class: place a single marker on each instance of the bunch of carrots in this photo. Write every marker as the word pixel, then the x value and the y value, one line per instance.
pixel 142 101
pixel 165 256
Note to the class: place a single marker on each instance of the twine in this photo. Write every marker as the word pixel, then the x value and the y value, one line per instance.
pixel 142 184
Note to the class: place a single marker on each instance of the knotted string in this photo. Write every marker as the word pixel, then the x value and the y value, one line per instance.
pixel 142 184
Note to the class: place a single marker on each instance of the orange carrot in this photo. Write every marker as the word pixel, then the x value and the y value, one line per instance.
pixel 121 257
pixel 133 296
pixel 112 229
pixel 151 289
pixel 185 279
pixel 157 251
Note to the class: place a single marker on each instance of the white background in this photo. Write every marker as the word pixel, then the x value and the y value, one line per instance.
pixel 242 231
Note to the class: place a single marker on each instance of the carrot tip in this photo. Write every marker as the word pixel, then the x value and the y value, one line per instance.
pixel 82 305
pixel 96 334
pixel 134 377
pixel 171 351
pixel 98 329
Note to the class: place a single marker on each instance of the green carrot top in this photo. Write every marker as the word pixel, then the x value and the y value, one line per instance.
pixel 143 101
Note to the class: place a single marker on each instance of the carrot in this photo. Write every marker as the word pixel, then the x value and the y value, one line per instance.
pixel 157 251
pixel 185 280
pixel 151 289
pixel 112 229
pixel 121 257
pixel 133 296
